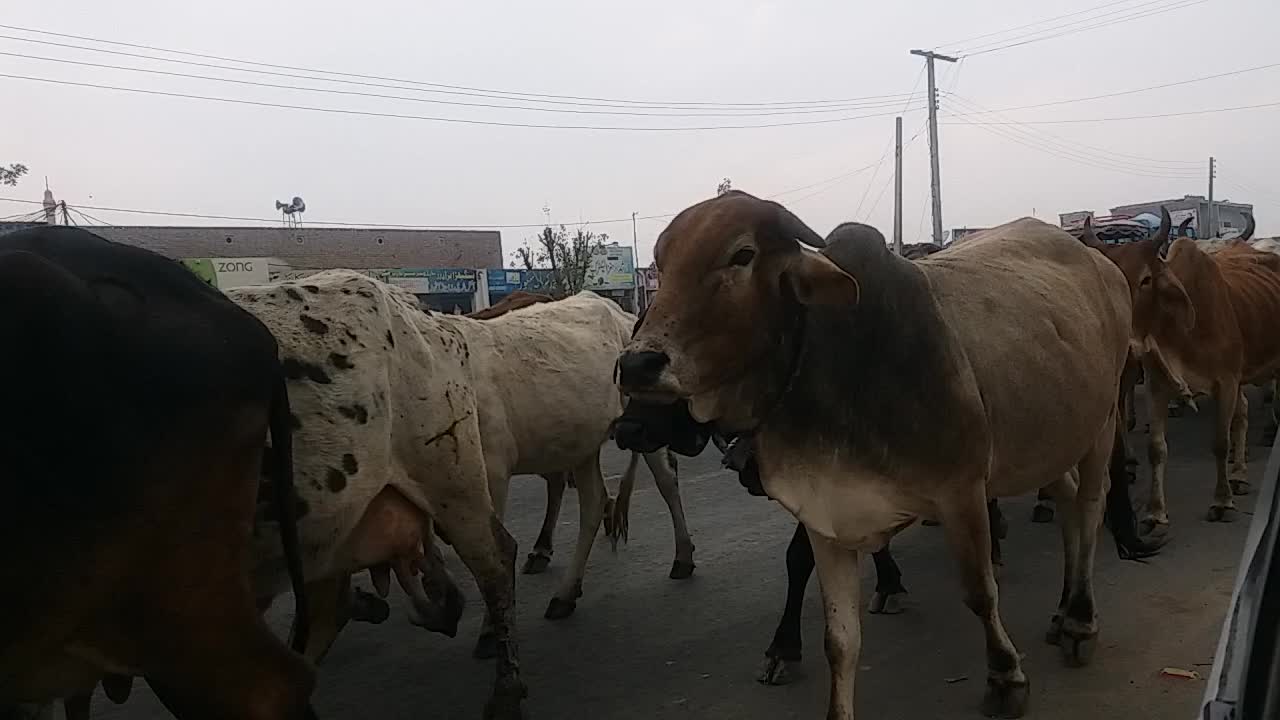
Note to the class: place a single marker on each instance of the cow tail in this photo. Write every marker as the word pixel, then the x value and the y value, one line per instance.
pixel 282 482
pixel 1121 518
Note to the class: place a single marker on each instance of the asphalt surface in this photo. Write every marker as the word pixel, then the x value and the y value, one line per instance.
pixel 643 646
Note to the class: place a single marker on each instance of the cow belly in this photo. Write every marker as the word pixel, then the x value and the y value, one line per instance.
pixel 860 511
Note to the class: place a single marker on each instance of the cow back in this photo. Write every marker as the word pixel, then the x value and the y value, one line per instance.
pixel 1253 284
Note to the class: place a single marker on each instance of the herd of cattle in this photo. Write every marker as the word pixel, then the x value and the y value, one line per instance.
pixel 176 457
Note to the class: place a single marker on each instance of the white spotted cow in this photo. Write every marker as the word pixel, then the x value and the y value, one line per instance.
pixel 387 439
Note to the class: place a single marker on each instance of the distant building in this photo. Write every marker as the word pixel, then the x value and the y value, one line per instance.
pixel 441 267
pixel 1229 215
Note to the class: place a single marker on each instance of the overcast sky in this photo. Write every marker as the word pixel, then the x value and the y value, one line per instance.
pixel 116 149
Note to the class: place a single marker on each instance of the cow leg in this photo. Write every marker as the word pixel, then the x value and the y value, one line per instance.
pixel 489 552
pixel 1239 469
pixel 329 602
pixel 445 601
pixel 885 600
pixel 664 475
pixel 617 520
pixel 1043 511
pixel 968 532
pixel 1080 624
pixel 999 530
pixel 1159 392
pixel 1069 521
pixel 785 648
pixel 1223 507
pixel 77 707
pixel 838 576
pixel 591 497
pixel 540 558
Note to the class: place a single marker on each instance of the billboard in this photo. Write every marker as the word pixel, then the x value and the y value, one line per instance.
pixel 612 267
pixel 224 273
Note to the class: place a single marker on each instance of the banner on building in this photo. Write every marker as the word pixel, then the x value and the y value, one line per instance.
pixel 429 281
pixel 612 267
pixel 224 273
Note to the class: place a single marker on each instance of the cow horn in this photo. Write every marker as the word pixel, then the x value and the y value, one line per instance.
pixel 793 227
pixel 1182 227
pixel 1088 237
pixel 1161 237
pixel 1248 229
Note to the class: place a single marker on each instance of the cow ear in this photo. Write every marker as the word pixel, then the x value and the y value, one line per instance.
pixel 816 280
pixel 1173 298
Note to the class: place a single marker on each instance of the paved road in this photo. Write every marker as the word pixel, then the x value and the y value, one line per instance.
pixel 643 646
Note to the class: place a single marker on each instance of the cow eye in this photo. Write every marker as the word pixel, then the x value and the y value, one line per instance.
pixel 1146 281
pixel 742 257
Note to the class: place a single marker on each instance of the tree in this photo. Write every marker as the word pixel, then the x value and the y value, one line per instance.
pixel 567 256
pixel 10 175
pixel 725 186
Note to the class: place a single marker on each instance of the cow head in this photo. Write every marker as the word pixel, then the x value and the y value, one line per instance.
pixel 1158 296
pixel 733 275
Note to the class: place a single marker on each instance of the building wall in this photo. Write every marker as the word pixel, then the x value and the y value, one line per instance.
pixel 357 248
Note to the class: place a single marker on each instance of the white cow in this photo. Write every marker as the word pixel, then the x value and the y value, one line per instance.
pixel 546 398
pixel 387 438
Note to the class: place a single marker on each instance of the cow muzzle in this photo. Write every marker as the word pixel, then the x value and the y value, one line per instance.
pixel 639 371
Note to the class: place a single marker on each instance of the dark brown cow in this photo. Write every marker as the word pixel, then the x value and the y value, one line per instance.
pixel 140 399
pixel 1203 323
pixel 514 301
pixel 878 390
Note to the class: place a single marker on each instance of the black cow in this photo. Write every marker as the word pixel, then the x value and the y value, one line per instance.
pixel 138 400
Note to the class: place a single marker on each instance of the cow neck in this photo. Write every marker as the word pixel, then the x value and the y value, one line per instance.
pixel 787 378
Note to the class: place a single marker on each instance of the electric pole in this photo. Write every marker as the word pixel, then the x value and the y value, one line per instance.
pixel 635 266
pixel 935 182
pixel 897 186
pixel 1213 215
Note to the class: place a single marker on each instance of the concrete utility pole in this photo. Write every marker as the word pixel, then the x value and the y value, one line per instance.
pixel 897 185
pixel 935 182
pixel 1213 211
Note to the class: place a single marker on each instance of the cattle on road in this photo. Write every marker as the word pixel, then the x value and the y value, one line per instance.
pixel 879 390
pixel 386 417
pixel 1204 324
pixel 140 400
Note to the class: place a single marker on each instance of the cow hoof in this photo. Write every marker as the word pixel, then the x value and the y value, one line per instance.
pixel 681 570
pixel 886 604
pixel 117 688
pixel 1078 650
pixel 1218 513
pixel 486 646
pixel 776 671
pixel 369 608
pixel 930 522
pixel 1006 699
pixel 559 609
pixel 1240 487
pixel 1042 514
pixel 1151 526
pixel 536 564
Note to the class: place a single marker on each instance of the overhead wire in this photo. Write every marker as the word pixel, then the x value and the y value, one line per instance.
pixel 409 84
pixel 1155 116
pixel 1066 29
pixel 972 109
pixel 441 119
pixel 455 103
pixel 966 41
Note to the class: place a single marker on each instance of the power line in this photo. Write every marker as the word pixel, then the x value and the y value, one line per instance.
pixel 966 41
pixel 973 109
pixel 1209 111
pixel 429 118
pixel 1067 30
pixel 434 101
pixel 1142 89
pixel 442 88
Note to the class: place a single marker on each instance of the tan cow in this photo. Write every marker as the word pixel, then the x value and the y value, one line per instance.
pixel 880 390
pixel 1206 320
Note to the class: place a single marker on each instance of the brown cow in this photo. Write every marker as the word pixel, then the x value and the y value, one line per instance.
pixel 141 399
pixel 514 301
pixel 1203 321
pixel 878 390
